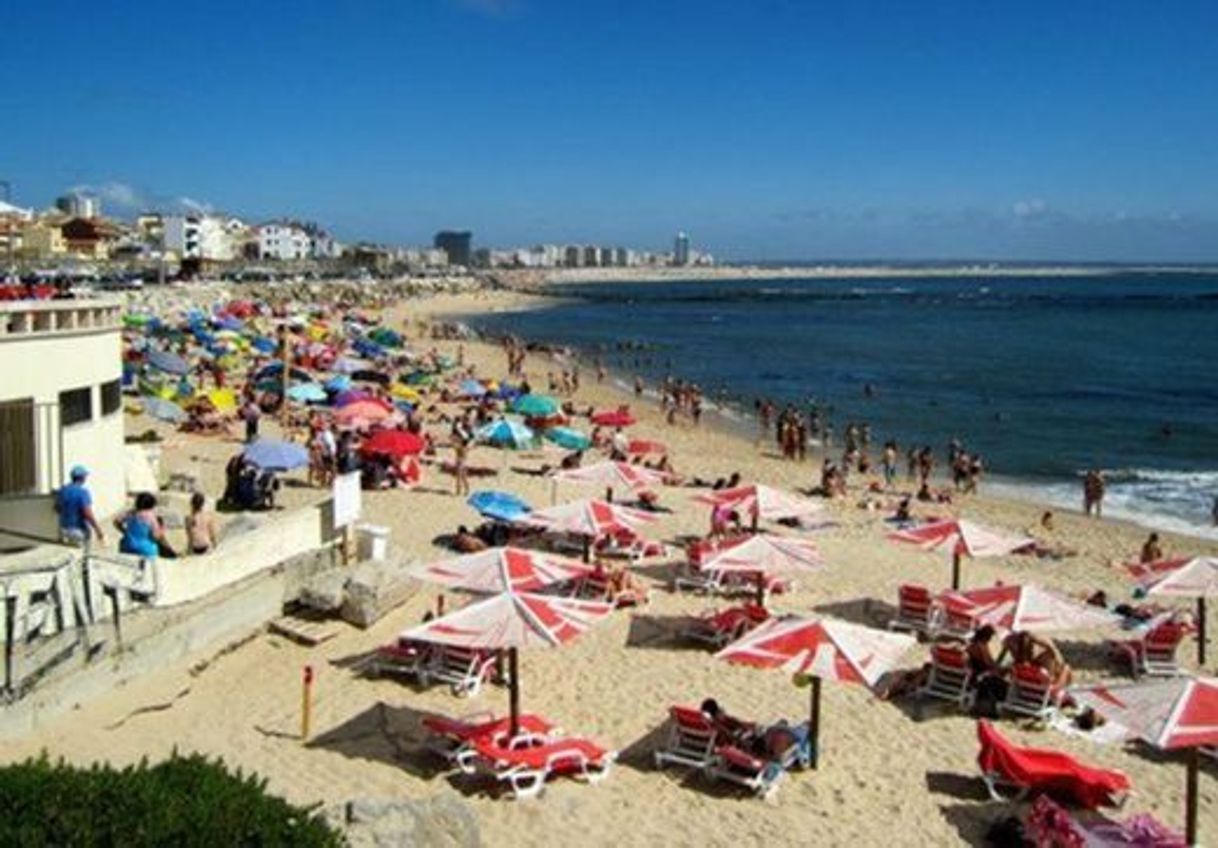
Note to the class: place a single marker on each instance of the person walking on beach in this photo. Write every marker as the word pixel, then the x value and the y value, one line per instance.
pixel 251 414
pixel 889 463
pixel 74 504
pixel 1093 493
pixel 460 471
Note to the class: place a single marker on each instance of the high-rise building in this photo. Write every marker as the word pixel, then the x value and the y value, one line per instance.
pixel 680 250
pixel 79 205
pixel 457 244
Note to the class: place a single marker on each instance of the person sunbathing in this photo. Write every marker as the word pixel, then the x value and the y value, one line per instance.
pixel 732 729
pixel 466 542
pixel 1024 647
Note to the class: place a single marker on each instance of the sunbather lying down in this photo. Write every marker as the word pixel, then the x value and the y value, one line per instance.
pixel 781 742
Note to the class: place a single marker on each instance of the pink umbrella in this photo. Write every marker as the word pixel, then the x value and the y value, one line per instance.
pixel 1027 608
pixel 590 519
pixel 820 649
pixel 501 570
pixel 762 554
pixel 362 412
pixel 1184 577
pixel 760 501
pixel 1170 714
pixel 610 475
pixel 510 621
pixel 961 538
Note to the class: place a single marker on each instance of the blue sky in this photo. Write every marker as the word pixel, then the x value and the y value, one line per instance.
pixel 766 128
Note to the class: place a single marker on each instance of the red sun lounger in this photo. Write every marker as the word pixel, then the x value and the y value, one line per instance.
pixel 452 738
pixel 526 763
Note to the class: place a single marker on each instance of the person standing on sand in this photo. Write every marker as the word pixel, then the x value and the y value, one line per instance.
pixel 74 504
pixel 1093 493
pixel 460 471
pixel 889 463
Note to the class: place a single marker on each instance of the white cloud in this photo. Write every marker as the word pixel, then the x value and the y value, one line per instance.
pixel 1030 210
pixel 114 194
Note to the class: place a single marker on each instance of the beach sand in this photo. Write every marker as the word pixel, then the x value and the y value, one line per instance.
pixel 885 778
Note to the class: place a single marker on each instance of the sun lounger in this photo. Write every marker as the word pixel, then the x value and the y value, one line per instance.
pixel 451 739
pixel 1154 655
pixel 526 763
pixel 1039 771
pixel 737 766
pixel 464 669
pixel 954 621
pixel 716 582
pixel 916 611
pixel 1031 692
pixel 692 740
pixel 950 678
pixel 402 658
pixel 719 627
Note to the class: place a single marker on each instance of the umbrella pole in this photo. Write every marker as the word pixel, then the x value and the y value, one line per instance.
pixel 1201 632
pixel 761 588
pixel 1190 811
pixel 814 722
pixel 955 570
pixel 587 549
pixel 513 692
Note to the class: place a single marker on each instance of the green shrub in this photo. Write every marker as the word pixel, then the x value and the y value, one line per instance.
pixel 184 801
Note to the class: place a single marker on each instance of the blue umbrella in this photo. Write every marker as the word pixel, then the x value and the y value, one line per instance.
pixel 567 438
pixel 538 406
pixel 471 388
pixel 348 365
pixel 230 323
pixel 272 455
pixel 307 393
pixel 275 369
pixel 168 362
pixel 338 383
pixel 505 433
pixel 265 345
pixel 367 348
pixel 164 410
pixel 501 506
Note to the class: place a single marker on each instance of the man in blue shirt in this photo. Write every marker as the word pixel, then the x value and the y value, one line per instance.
pixel 75 507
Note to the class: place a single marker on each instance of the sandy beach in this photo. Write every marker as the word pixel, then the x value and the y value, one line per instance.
pixel 887 776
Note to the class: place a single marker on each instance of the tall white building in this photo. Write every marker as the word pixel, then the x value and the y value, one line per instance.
pixel 205 237
pixel 680 250
pixel 79 205
pixel 283 242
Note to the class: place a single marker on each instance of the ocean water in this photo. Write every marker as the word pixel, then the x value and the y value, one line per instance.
pixel 1045 377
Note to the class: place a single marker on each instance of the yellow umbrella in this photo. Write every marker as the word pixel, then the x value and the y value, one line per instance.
pixel 406 393
pixel 224 400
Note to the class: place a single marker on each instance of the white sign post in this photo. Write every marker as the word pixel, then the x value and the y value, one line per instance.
pixel 347 506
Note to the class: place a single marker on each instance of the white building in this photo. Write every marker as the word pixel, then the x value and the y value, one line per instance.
pixel 60 406
pixel 198 237
pixel 680 250
pixel 322 245
pixel 79 205
pixel 284 242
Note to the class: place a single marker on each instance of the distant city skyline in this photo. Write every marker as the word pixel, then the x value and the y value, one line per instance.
pixel 767 131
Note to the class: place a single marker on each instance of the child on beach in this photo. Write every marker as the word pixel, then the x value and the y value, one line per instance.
pixel 200 526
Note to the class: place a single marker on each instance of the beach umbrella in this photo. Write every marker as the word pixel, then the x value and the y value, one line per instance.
pixel 350 396
pixel 307 393
pixel 406 393
pixel 363 412
pixel 471 388
pixel 567 438
pixel 813 650
pixel 1027 607
pixel 1184 577
pixel 367 375
pixel 338 383
pixel 168 362
pixel 1178 713
pixel 349 365
pixel 500 506
pixel 645 447
pixel 224 400
pixel 416 378
pixel 263 344
pixel 505 433
pixel 501 570
pixel 164 410
pixel 394 443
pixel 961 538
pixel 762 554
pixel 275 369
pixel 613 418
pixel 511 621
pixel 759 501
pixel 611 475
pixel 274 455
pixel 589 519
pixel 228 322
pixel 535 406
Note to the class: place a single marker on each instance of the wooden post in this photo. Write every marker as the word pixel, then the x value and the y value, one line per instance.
pixel 306 703
pixel 1201 632
pixel 345 543
pixel 513 692
pixel 761 588
pixel 1190 810
pixel 814 722
pixel 955 569
pixel 608 494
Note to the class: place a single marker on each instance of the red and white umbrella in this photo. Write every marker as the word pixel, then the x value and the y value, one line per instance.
pixel 590 519
pixel 646 447
pixel 1169 714
pixel 960 538
pixel 611 475
pixel 1195 577
pixel 511 621
pixel 760 501
pixel 501 570
pixel 820 649
pixel 763 554
pixel 1027 607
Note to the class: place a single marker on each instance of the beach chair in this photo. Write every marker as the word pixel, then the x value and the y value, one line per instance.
pixel 757 774
pixel 950 678
pixel 916 610
pixel 692 740
pixel 1031 693
pixel 527 762
pixel 464 669
pixel 954 621
pixel 717 628
pixel 1036 771
pixel 404 658
pixel 451 738
pixel 597 587
pixel 1154 655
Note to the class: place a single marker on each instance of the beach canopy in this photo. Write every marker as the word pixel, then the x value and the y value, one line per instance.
pixel 816 649
pixel 589 518
pixel 164 410
pixel 1181 712
pixel 760 501
pixel 501 570
pixel 1195 577
pixel 611 474
pixel 500 506
pixel 567 438
pixel 613 418
pixel 1027 607
pixel 535 406
pixel 168 362
pixel 393 443
pixel 505 433
pixel 960 538
pixel 274 455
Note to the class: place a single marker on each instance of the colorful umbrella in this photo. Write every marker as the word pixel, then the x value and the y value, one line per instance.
pixel 350 396
pixel 338 383
pixel 307 393
pixel 362 412
pixel 1169 714
pixel 1195 577
pixel 394 443
pixel 645 447
pixel 961 538
pixel 272 455
pixel 501 570
pixel 590 519
pixel 500 506
pixel 1027 608
pixel 349 365
pixel 511 621
pixel 471 389
pixel 613 418
pixel 760 501
pixel 762 554
pixel 610 475
pixel 224 400
pixel 505 433
pixel 535 406
pixel 168 362
pixel 567 438
pixel 820 649
pixel 164 410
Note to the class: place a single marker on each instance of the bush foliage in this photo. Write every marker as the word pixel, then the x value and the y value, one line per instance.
pixel 184 801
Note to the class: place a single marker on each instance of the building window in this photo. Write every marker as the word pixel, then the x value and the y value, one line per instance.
pixel 111 397
pixel 19 470
pixel 75 406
